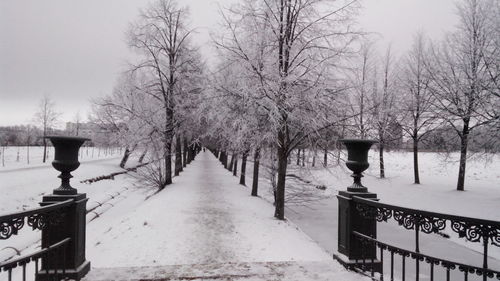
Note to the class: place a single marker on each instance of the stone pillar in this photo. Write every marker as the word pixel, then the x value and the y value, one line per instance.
pixel 71 223
pixel 349 219
pixel 351 252
pixel 73 226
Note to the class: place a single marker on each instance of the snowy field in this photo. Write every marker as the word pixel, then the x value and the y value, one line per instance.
pixel 23 184
pixel 202 218
pixel 437 193
pixel 120 211
pixel 23 188
pixel 15 157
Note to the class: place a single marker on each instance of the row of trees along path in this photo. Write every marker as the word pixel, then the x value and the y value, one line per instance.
pixel 299 75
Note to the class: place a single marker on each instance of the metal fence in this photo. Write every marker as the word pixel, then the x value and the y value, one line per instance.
pixel 61 220
pixel 473 230
pixel 46 259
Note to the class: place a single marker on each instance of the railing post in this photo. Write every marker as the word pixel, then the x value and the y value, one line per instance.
pixel 73 224
pixel 351 251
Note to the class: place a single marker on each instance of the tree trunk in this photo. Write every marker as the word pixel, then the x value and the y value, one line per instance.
pixel 303 157
pixel 189 153
pixel 298 157
pixel 325 157
pixel 125 157
pixel 243 167
pixel 141 158
pixel 339 150
pixel 235 166
pixel 178 155
pixel 230 167
pixel 256 163
pixel 464 140
pixel 279 211
pixel 192 153
pixel 44 149
pixel 184 152
pixel 168 160
pixel 415 160
pixel 381 158
pixel 224 159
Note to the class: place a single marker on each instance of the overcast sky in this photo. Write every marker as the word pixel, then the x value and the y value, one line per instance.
pixel 73 50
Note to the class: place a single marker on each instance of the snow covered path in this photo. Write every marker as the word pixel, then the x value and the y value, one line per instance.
pixel 206 221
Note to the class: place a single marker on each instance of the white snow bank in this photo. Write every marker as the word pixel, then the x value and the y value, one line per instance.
pixel 203 218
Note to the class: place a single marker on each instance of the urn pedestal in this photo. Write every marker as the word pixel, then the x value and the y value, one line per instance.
pixel 351 252
pixel 73 223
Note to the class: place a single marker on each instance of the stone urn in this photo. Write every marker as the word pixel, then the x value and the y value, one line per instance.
pixel 66 160
pixel 357 161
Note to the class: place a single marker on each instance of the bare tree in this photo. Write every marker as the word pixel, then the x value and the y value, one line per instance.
pixel 46 117
pixel 303 43
pixel 417 115
pixel 161 37
pixel 78 121
pixel 383 108
pixel 462 84
pixel 130 116
pixel 361 77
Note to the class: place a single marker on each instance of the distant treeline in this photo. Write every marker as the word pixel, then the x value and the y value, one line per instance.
pixel 483 139
pixel 29 135
pixel 20 135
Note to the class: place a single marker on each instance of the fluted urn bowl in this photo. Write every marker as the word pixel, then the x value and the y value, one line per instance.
pixel 66 160
pixel 357 160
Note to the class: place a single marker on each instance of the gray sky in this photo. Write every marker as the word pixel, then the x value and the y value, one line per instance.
pixel 73 50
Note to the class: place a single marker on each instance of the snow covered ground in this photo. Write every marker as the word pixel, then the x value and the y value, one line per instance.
pixel 16 157
pixel 438 176
pixel 23 188
pixel 191 223
pixel 436 193
pixel 202 218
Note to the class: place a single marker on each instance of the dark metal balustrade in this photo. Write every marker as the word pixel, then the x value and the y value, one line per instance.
pixel 359 249
pixel 38 218
pixel 61 219
pixel 473 230
pixel 47 255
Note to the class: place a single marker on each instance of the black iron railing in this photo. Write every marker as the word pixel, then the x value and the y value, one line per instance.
pixel 55 272
pixel 61 220
pixel 473 230
pixel 38 219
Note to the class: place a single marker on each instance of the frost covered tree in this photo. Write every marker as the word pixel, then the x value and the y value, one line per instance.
pixel 361 76
pixel 384 107
pixel 301 43
pixel 464 81
pixel 238 121
pixel 128 114
pixel 46 117
pixel 160 36
pixel 417 113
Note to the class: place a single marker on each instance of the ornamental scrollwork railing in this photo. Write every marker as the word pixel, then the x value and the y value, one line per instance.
pixel 483 231
pixel 37 218
pixel 471 229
